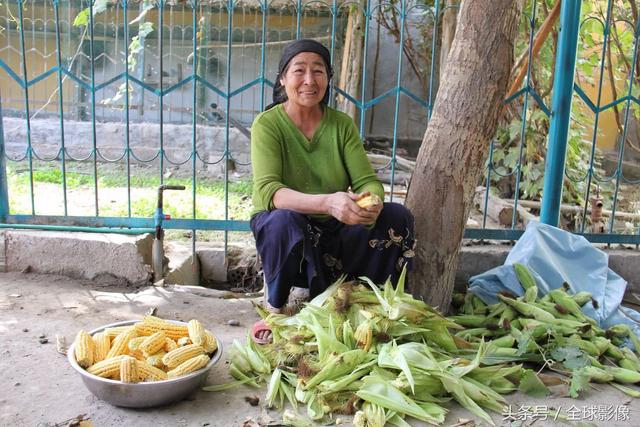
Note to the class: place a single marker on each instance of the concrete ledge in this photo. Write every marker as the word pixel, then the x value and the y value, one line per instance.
pixel 93 256
pixel 478 259
pixel 213 265
pixel 114 258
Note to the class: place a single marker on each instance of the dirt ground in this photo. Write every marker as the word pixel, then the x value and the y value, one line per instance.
pixel 41 389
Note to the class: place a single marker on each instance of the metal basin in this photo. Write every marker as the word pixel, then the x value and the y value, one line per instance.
pixel 144 394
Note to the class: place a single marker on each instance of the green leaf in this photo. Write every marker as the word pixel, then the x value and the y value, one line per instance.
pixel 144 29
pixel 570 356
pixel 532 385
pixel 82 18
pixel 579 382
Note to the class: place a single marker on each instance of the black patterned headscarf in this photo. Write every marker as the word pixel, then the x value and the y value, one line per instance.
pixel 291 50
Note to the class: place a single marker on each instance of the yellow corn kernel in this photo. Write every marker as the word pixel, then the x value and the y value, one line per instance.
pixel 120 344
pixel 369 201
pixel 189 366
pixel 181 354
pixel 138 355
pixel 147 372
pixel 101 346
pixel 211 344
pixel 184 341
pixel 134 344
pixel 169 345
pixel 196 332
pixel 115 331
pixel 153 343
pixel 83 349
pixel 129 370
pixel 108 368
pixel 151 324
pixel 156 359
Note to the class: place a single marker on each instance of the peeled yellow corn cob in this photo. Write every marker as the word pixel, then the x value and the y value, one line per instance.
pixel 189 366
pixel 115 331
pixel 151 324
pixel 153 343
pixel 120 344
pixel 183 341
pixel 369 201
pixel 107 368
pixel 147 372
pixel 156 359
pixel 83 349
pixel 129 370
pixel 169 345
pixel 211 344
pixel 196 332
pixel 181 354
pixel 101 346
pixel 134 343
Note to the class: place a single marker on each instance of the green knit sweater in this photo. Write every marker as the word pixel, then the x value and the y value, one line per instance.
pixel 282 157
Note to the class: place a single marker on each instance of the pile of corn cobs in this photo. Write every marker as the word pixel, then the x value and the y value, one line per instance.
pixel 379 354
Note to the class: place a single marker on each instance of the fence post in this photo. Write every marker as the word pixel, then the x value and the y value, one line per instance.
pixel 560 111
pixel 4 194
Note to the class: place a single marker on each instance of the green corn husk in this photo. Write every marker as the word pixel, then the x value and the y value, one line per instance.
pixel 628 364
pixel 371 415
pixel 338 365
pixel 627 390
pixel 601 343
pixel 564 300
pixel 387 396
pixel 378 349
pixel 525 277
pixel 598 375
pixel 581 298
pixel 469 320
pixel 531 294
pixel 291 418
pixel 621 375
pixel 528 309
pixel 614 352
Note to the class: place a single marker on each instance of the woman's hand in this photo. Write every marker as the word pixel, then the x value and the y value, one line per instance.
pixel 342 206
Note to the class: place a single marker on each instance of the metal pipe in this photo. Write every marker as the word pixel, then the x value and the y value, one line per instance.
pixel 4 193
pixel 78 228
pixel 561 111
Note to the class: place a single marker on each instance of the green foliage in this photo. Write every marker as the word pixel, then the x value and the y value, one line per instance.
pixel 82 18
pixel 210 194
pixel 508 154
pixel 136 46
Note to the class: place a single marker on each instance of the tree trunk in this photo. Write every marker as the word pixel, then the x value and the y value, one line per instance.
pixel 351 67
pixel 449 20
pixel 455 146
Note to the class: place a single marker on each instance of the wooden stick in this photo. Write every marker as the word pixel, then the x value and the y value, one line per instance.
pixel 626 216
pixel 538 41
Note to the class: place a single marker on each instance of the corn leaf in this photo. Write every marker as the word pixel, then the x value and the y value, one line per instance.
pixel 384 394
pixel 532 385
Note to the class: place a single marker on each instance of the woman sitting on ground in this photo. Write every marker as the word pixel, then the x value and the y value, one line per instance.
pixel 309 169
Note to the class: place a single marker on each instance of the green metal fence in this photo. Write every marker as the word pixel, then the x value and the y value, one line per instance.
pixel 143 93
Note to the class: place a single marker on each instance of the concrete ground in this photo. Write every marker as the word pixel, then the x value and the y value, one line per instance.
pixel 41 389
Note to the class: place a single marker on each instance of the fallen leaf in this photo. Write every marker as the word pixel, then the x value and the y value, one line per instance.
pixel 61 344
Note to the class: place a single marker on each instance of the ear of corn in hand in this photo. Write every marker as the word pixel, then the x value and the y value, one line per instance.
pixel 369 201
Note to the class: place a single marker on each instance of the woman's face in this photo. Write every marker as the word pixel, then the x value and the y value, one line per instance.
pixel 305 80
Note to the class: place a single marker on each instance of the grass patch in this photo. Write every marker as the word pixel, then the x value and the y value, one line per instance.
pixel 112 193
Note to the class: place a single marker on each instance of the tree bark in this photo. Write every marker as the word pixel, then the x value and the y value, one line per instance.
pixel 455 146
pixel 351 67
pixel 449 20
